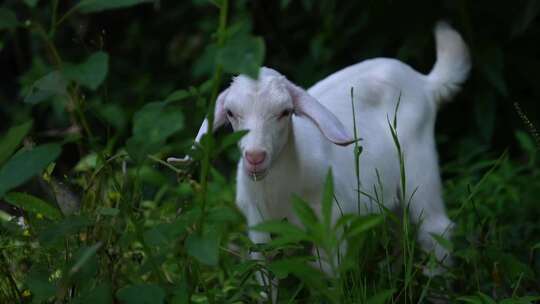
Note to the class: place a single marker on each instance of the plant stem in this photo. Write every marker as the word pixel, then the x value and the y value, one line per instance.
pixel 205 168
pixel 52 30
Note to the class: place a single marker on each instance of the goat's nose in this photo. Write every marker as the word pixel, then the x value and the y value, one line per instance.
pixel 255 157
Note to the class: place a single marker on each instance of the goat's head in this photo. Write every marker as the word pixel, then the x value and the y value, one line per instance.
pixel 264 107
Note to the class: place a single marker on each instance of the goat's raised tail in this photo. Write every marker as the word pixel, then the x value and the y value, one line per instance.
pixel 453 63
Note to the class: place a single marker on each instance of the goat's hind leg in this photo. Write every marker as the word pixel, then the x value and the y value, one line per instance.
pixel 427 209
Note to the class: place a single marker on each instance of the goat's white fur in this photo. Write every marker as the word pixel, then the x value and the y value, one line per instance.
pixel 300 154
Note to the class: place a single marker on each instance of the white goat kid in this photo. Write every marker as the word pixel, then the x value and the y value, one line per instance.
pixel 285 154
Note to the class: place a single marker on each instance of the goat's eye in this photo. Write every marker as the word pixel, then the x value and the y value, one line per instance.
pixel 230 114
pixel 285 113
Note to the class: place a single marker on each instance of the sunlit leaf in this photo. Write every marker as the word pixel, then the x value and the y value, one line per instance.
pixel 24 165
pixel 12 140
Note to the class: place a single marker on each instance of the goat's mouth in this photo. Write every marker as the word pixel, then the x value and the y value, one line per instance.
pixel 256 175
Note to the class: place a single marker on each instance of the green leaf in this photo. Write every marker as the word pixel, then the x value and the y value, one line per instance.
pixel 165 234
pixel 8 19
pixel 242 55
pixel 52 84
pixel 204 248
pixel 301 268
pixel 109 211
pixel 152 125
pixel 92 6
pixel 526 142
pixel 87 163
pixel 155 122
pixel 305 213
pixel 24 165
pixel 178 95
pixel 141 294
pixel 381 297
pixel 90 73
pixel 12 140
pixel 40 287
pixel 33 204
pixel 101 294
pixel 327 199
pixel 444 242
pixel 31 3
pixel 85 255
pixel 62 229
pixel 229 140
pixel 364 223
pixel 282 228
pixel 181 293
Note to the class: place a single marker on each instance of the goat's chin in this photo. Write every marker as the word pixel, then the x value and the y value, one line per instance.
pixel 255 173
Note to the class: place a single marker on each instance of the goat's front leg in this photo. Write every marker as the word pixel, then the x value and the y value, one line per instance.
pixel 251 202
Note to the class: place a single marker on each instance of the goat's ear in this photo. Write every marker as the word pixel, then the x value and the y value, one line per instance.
pixel 326 121
pixel 220 117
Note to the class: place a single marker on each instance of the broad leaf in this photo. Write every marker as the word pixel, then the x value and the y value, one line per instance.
pixel 52 84
pixel 141 294
pixel 8 19
pixel 84 256
pixel 204 248
pixel 90 73
pixel 12 140
pixel 242 55
pixel 178 95
pixel 229 140
pixel 25 165
pixel 40 287
pixel 301 268
pixel 101 294
pixel 62 229
pixel 32 204
pixel 152 125
pixel 92 6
